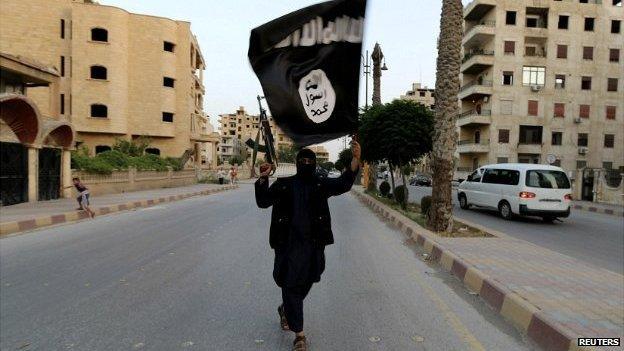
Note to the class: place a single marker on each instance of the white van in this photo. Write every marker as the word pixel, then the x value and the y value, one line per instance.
pixel 518 189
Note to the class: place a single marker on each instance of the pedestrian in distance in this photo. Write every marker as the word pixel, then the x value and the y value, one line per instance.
pixel 233 174
pixel 300 230
pixel 221 175
pixel 83 197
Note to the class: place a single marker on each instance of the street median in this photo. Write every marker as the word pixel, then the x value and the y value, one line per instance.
pixel 551 298
pixel 41 221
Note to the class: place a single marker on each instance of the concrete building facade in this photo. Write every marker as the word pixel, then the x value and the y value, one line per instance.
pixel 422 95
pixel 122 75
pixel 542 82
pixel 322 155
pixel 237 128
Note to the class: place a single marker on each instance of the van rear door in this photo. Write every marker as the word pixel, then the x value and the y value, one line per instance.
pixel 550 188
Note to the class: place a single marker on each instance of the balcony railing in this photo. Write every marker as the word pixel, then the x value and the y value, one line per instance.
pixel 535 54
pixel 472 142
pixel 484 83
pixel 477 52
pixel 482 23
pixel 474 112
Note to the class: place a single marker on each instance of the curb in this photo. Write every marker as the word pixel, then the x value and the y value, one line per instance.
pixel 526 317
pixel 608 211
pixel 74 216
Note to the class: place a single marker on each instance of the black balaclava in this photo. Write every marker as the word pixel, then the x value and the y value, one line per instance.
pixel 306 171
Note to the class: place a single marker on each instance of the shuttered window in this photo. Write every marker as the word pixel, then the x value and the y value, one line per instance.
pixel 612 84
pixel 610 112
pixel 614 55
pixel 533 107
pixel 559 109
pixel 510 47
pixel 562 51
pixel 584 111
pixel 506 107
pixel 588 53
pixel 503 136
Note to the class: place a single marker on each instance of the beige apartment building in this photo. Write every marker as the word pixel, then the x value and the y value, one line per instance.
pixel 237 128
pixel 542 82
pixel 322 155
pixel 122 75
pixel 422 95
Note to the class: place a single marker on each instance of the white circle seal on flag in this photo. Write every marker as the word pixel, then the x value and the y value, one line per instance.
pixel 317 96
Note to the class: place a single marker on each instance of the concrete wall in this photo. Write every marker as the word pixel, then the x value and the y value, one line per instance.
pixel 133 180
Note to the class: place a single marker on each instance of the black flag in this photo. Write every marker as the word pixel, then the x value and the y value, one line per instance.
pixel 308 63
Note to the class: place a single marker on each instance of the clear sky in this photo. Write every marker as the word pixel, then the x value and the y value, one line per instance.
pixel 406 30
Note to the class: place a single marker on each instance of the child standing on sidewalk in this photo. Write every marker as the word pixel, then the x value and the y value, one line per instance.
pixel 83 198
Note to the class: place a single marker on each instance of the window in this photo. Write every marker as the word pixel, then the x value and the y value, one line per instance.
pixel 562 51
pixel 563 22
pixel 62 29
pixel 582 139
pixel 583 1
pixel 501 176
pixel 547 179
pixel 610 112
pixel 99 110
pixel 507 78
pixel 530 51
pixel 502 160
pixel 586 83
pixel 510 18
pixel 510 47
pixel 581 164
pixel 612 84
pixel 167 117
pixel 584 111
pixel 422 94
pixel 168 46
pixel 588 52
pixel 607 165
pixel 614 55
pixel 62 66
pixel 62 105
pixel 98 72
pixel 617 3
pixel 474 177
pixel 152 151
pixel 589 24
pixel 615 26
pixel 503 136
pixel 557 138
pixel 559 109
pixel 609 141
pixel 99 34
pixel 560 81
pixel 532 75
pixel 531 22
pixel 533 108
pixel 102 148
pixel 168 82
pixel 530 134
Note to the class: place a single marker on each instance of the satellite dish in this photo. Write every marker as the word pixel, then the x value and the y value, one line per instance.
pixel 551 159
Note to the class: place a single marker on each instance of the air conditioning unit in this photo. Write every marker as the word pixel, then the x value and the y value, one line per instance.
pixel 582 150
pixel 577 120
pixel 536 87
pixel 486 99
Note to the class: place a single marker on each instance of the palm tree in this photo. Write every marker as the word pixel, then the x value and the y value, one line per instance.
pixel 446 111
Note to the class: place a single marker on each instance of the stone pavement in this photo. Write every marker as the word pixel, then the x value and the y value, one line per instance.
pixel 599 208
pixel 33 215
pixel 551 297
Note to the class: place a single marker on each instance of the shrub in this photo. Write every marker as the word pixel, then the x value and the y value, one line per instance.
pixel 175 163
pixel 384 188
pixel 425 205
pixel 400 195
pixel 114 158
pixel 98 166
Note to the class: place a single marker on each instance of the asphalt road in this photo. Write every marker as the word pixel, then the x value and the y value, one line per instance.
pixel 595 238
pixel 196 275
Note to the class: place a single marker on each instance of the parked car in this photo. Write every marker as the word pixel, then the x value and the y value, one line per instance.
pixel 321 172
pixel 518 189
pixel 420 180
pixel 334 174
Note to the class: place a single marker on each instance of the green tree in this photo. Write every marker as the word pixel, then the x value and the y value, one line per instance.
pixel 446 111
pixel 344 159
pixel 398 132
pixel 287 154
pixel 237 160
pixel 327 165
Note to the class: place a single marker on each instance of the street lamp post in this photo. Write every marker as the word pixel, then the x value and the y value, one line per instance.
pixel 366 64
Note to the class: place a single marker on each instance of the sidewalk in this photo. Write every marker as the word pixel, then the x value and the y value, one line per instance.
pixel 550 297
pixel 28 215
pixel 599 208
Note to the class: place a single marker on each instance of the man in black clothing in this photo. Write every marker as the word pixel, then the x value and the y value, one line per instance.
pixel 300 230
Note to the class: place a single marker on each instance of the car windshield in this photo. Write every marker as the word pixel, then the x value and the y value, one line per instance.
pixel 547 179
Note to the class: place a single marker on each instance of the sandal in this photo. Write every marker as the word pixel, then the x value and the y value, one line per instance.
pixel 282 315
pixel 300 344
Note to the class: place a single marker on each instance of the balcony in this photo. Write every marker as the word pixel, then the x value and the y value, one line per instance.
pixel 473 119
pixel 475 90
pixel 529 148
pixel 477 61
pixel 479 34
pixel 472 147
pixel 477 9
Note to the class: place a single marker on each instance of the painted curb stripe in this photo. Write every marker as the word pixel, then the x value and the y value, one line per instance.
pixel 545 335
pixel 492 294
pixel 58 218
pixel 27 224
pixel 459 269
